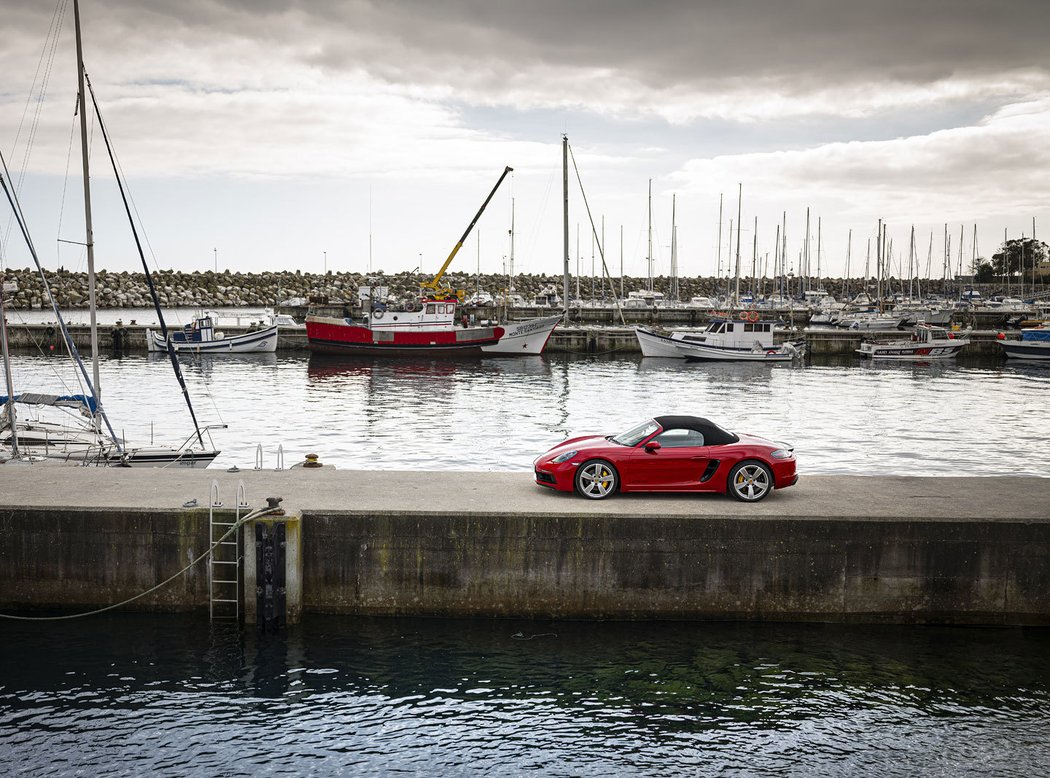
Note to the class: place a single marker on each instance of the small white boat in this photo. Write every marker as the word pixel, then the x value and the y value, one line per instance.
pixel 724 340
pixel 927 342
pixel 870 320
pixel 1034 344
pixel 201 337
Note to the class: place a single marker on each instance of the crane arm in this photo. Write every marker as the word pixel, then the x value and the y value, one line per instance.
pixel 433 283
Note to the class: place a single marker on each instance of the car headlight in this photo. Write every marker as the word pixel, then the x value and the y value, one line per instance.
pixel 564 457
pixel 782 453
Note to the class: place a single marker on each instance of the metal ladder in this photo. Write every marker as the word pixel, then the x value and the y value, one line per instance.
pixel 224 559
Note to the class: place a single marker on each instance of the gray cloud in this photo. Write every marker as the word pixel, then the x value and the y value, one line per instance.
pixel 797 46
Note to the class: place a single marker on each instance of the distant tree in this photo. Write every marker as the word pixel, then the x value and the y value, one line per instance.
pixel 1013 257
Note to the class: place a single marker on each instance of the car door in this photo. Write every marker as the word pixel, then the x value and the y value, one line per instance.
pixel 677 461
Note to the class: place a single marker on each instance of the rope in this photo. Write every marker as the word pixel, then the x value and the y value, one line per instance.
pixel 237 525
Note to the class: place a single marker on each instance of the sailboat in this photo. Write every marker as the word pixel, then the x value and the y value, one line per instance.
pixel 79 436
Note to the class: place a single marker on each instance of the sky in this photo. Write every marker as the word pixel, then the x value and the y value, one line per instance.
pixel 350 135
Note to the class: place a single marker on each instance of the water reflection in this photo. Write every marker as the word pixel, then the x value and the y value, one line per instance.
pixel 842 415
pixel 154 693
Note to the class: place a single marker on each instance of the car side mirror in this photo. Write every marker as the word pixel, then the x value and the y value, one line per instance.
pixel 652 446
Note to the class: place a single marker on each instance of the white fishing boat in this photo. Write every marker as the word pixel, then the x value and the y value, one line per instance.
pixel 724 340
pixel 1034 344
pixel 201 337
pixel 927 342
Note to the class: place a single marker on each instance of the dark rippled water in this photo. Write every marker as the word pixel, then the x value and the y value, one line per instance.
pixel 960 417
pixel 137 695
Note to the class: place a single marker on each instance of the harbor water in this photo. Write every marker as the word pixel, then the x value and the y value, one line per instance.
pixel 843 415
pixel 130 694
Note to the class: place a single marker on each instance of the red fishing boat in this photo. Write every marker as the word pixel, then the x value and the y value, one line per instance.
pixel 427 324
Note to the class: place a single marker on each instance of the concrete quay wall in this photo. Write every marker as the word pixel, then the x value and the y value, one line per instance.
pixel 832 548
pixel 565 339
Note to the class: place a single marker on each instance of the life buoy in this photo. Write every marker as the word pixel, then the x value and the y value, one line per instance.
pixel 377 314
pixel 752 316
pixel 743 316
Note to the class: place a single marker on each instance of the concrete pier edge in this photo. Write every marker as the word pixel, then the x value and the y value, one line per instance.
pixel 467 544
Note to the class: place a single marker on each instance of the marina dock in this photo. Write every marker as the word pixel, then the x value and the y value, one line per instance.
pixel 468 544
pixel 589 339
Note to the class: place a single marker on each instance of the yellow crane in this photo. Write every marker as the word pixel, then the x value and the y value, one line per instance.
pixel 433 286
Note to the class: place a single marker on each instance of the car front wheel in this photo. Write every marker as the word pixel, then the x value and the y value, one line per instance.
pixel 750 481
pixel 596 479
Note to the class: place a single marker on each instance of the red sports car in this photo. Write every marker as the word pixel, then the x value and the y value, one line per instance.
pixel 669 454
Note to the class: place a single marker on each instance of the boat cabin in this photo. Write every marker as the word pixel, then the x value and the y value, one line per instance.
pixel 733 333
pixel 426 314
pixel 200 330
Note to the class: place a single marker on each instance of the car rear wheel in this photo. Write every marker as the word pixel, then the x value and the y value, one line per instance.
pixel 596 479
pixel 750 481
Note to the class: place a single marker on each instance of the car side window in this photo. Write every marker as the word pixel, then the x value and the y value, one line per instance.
pixel 680 438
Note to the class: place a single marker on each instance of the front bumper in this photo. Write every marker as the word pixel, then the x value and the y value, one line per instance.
pixel 555 476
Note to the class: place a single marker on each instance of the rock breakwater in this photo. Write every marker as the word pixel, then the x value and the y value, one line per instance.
pixel 207 289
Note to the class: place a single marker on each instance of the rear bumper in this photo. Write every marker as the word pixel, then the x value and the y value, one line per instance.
pixel 784 474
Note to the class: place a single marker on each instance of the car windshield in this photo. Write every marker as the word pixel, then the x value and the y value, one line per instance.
pixel 636 434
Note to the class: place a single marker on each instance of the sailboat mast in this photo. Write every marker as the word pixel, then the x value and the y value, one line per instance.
pixel 849 253
pixel 89 240
pixel 565 211
pixel 674 252
pixel 739 205
pixel 718 275
pixel 650 259
pixel 7 370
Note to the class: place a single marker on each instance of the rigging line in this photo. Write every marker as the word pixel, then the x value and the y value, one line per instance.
pixel 46 61
pixel 65 182
pixel 12 198
pixel 236 526
pixel 47 53
pixel 149 279
pixel 135 208
pixel 601 249
pixel 38 344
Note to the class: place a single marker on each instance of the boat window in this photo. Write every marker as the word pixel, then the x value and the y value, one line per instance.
pixel 431 308
pixel 680 438
pixel 636 434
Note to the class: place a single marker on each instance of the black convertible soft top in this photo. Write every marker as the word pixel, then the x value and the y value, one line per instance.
pixel 713 434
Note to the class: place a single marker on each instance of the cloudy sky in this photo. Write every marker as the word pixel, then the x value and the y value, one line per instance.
pixel 272 134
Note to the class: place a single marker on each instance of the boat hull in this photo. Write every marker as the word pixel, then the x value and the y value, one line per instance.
pixel 81 447
pixel 524 338
pixel 653 344
pixel 906 350
pixel 699 353
pixel 258 342
pixel 1031 350
pixel 337 336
